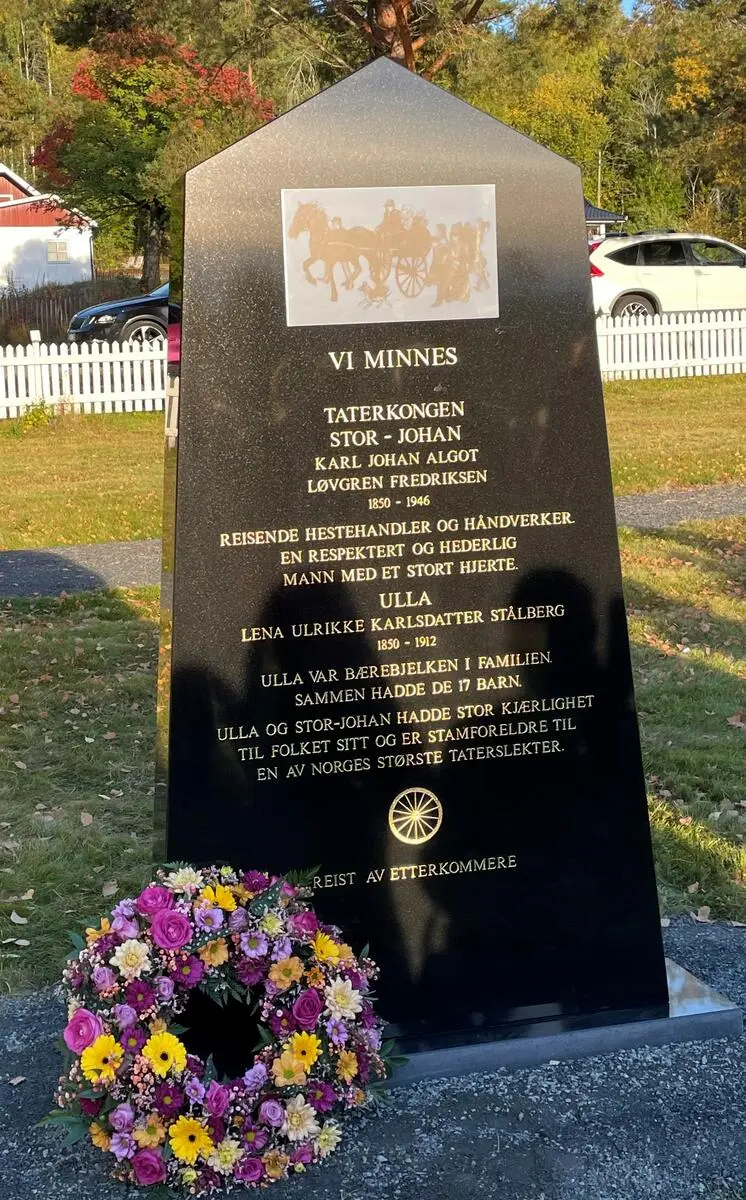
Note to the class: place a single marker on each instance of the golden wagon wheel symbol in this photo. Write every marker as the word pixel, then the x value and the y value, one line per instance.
pixel 415 815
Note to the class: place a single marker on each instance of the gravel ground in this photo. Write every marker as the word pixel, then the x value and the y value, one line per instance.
pixel 134 564
pixel 648 1124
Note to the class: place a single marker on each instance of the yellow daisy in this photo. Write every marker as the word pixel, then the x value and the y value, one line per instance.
pixel 214 953
pixel 287 1070
pixel 189 1140
pixel 325 948
pixel 305 1047
pixel 347 1066
pixel 164 1052
pixel 220 895
pixel 101 1060
pixel 286 972
pixel 151 1133
pixel 99 1137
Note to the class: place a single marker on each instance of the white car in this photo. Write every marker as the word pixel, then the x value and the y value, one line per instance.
pixel 652 273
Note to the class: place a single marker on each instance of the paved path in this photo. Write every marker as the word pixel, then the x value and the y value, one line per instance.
pixel 134 564
pixel 649 1124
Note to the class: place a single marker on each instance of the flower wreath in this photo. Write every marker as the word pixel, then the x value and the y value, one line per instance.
pixel 161 1112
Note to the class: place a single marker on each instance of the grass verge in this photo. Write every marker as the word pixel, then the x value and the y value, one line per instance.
pixel 99 478
pixel 673 433
pixel 77 682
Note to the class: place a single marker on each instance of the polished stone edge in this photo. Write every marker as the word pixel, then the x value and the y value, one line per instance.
pixel 705 1015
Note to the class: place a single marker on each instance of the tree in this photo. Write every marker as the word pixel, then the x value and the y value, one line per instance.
pixel 138 91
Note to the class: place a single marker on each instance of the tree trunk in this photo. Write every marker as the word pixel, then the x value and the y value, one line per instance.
pixel 151 258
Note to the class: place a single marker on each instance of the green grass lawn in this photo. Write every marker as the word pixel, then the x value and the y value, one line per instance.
pixel 98 478
pixel 77 732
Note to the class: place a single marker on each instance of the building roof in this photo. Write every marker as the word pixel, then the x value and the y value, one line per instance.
pixel 48 208
pixel 22 184
pixel 600 216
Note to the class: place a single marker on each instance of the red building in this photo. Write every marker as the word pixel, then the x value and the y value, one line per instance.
pixel 41 241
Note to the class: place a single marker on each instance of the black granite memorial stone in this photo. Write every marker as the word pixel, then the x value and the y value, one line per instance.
pixel 399 644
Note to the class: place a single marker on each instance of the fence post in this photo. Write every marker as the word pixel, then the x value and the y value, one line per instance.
pixel 36 390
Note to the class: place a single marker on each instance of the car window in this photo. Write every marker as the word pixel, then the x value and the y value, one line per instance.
pixel 715 254
pixel 663 254
pixel 160 293
pixel 627 256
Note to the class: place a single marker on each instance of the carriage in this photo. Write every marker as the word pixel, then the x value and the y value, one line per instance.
pixel 406 251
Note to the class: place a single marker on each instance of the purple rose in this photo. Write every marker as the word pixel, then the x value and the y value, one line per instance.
pixel 217 1098
pixel 149 1167
pixel 272 1113
pixel 249 1170
pixel 124 1015
pixel 122 1145
pixel 103 978
pixel 238 920
pixel 302 1154
pixel 122 1118
pixel 171 930
pixel 307 1009
pixel 91 1108
pixel 303 923
pixel 82 1030
pixel 125 927
pixel 154 900
pixel 255 1078
pixel 164 987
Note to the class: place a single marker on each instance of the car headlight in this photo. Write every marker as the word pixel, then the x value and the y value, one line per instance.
pixel 104 319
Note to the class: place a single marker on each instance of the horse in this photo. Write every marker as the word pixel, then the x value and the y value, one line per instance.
pixel 333 245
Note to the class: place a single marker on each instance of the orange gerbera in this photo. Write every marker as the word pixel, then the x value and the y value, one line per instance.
pixel 286 972
pixel 214 954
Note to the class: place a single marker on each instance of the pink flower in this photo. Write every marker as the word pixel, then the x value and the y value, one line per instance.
pixel 272 1113
pixel 303 923
pixel 217 1099
pixel 82 1030
pixel 149 1167
pixel 249 1170
pixel 307 1009
pixel 153 900
pixel 171 930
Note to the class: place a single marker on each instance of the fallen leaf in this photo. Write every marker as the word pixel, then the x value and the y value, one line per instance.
pixel 29 895
pixel 736 720
pixel 86 818
pixel 110 888
pixel 16 1080
pixel 109 736
pixel 89 739
pixel 693 887
pixel 685 820
pixel 21 765
pixel 18 920
pixel 702 914
pixel 665 922
pixel 15 698
pixel 22 942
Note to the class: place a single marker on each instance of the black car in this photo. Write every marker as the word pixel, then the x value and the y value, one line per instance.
pixel 136 319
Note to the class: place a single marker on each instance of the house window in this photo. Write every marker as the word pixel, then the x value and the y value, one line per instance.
pixel 57 252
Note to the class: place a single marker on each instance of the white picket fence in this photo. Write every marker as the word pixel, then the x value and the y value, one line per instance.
pixel 672 345
pixel 104 377
pixel 96 378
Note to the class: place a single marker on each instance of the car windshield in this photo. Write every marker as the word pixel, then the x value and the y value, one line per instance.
pixel 161 293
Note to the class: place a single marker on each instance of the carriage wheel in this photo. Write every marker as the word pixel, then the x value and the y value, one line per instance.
pixel 410 276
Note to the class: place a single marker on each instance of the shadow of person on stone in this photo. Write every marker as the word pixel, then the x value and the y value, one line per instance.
pixel 562 815
pixel 291 780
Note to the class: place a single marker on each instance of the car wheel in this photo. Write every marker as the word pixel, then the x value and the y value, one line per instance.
pixel 143 330
pixel 633 306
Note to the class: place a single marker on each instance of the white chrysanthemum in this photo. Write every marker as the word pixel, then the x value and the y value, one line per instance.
pixel 328 1139
pixel 186 879
pixel 72 1007
pixel 131 959
pixel 271 924
pixel 225 1156
pixel 342 1001
pixel 300 1120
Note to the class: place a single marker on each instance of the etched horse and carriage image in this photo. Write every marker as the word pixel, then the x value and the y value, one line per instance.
pixel 401 252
